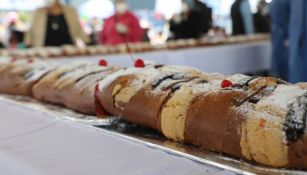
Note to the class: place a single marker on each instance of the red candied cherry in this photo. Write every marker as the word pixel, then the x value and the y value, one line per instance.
pixel 226 84
pixel 139 63
pixel 30 61
pixel 103 62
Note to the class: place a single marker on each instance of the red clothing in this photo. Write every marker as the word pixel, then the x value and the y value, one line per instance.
pixel 109 34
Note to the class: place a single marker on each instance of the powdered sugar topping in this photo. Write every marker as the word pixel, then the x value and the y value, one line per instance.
pixel 282 96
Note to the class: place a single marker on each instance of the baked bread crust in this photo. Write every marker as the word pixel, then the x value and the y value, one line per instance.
pixel 260 119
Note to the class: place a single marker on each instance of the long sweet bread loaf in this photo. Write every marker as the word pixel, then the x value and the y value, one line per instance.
pixel 124 89
pixel 18 77
pixel 72 86
pixel 45 89
pixel 123 85
pixel 260 119
pixel 83 91
pixel 118 89
pixel 257 119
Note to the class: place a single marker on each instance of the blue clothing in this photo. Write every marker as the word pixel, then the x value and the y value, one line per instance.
pixel 247 17
pixel 298 41
pixel 279 12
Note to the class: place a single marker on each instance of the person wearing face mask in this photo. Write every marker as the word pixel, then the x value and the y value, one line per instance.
pixel 187 24
pixel 206 15
pixel 54 25
pixel 122 27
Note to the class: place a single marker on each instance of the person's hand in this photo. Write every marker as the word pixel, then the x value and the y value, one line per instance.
pixel 121 28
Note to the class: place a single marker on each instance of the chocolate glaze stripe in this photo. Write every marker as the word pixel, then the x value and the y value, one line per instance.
pixel 239 103
pixel 31 72
pixel 158 82
pixel 201 81
pixel 178 82
pixel 72 70
pixel 174 87
pixel 169 96
pixel 96 81
pixel 176 76
pixel 295 123
pixel 40 78
pixel 281 81
pixel 158 66
pixel 266 92
pixel 92 73
pixel 245 83
pixel 251 79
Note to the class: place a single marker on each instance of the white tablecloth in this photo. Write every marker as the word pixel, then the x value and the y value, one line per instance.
pixel 226 59
pixel 33 143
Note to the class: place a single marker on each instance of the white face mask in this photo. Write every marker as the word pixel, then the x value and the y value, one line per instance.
pixel 121 7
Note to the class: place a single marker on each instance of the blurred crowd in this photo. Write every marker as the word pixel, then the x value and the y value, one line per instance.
pixel 58 24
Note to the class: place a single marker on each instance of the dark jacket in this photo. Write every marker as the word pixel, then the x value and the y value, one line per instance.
pixel 262 23
pixel 187 28
pixel 242 20
pixel 206 16
pixel 237 21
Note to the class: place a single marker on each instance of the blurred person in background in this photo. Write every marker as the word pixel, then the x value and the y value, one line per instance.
pixel 95 26
pixel 242 18
pixel 279 13
pixel 12 27
pixel 205 14
pixel 262 17
pixel 187 24
pixel 122 27
pixel 297 41
pixel 178 23
pixel 55 25
pixel 291 17
pixel 16 40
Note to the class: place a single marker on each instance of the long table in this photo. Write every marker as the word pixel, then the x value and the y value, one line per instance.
pixel 33 142
pixel 225 59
